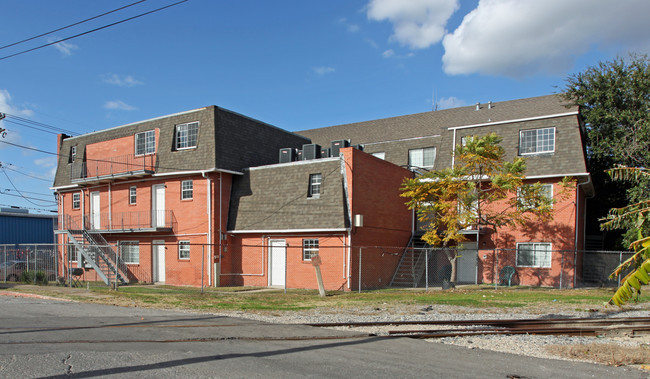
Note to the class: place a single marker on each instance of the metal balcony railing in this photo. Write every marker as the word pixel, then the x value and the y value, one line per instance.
pixel 121 221
pixel 123 165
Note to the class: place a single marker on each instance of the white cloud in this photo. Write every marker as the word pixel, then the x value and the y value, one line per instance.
pixel 323 70
pixel 350 27
pixel 449 102
pixel 388 53
pixel 6 106
pixel 122 81
pixel 416 23
pixel 522 37
pixel 119 105
pixel 48 163
pixel 65 48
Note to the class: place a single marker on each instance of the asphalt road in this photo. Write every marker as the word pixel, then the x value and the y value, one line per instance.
pixel 49 338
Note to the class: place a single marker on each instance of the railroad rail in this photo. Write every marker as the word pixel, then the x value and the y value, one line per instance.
pixel 631 326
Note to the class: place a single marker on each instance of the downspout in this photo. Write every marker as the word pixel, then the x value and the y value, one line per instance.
pixel 209 210
pixel 110 212
pixel 83 209
pixel 575 242
pixel 349 229
pixel 453 150
pixel 220 222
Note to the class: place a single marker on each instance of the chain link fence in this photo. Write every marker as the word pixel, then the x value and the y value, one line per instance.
pixel 281 265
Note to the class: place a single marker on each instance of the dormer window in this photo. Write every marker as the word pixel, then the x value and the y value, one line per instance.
pixel 187 135
pixel 145 142
pixel 315 182
pixel 73 154
pixel 536 141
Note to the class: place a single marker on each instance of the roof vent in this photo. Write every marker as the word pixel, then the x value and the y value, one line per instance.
pixel 489 105
pixel 478 106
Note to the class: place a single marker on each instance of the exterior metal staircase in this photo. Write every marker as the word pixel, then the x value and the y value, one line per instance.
pixel 412 264
pixel 99 255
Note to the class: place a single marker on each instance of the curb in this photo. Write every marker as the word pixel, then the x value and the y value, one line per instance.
pixel 30 295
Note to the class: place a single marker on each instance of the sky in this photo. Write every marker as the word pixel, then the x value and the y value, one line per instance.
pixel 295 64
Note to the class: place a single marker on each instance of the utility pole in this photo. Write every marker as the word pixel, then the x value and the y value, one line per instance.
pixel 3 131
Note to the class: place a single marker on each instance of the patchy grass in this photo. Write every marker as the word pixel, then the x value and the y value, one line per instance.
pixel 609 354
pixel 263 299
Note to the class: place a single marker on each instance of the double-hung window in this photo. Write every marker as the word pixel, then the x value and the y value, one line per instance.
pixel 309 248
pixel 73 154
pixel 187 190
pixel 183 249
pixel 422 158
pixel 132 195
pixel 534 254
pixel 315 185
pixel 187 135
pixel 130 251
pixel 76 200
pixel 524 201
pixel 145 142
pixel 536 141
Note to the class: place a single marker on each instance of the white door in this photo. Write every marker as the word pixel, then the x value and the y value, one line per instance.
pixel 95 218
pixel 158 206
pixel 466 264
pixel 277 262
pixel 158 252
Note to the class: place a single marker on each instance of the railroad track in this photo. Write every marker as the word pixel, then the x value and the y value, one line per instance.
pixel 630 326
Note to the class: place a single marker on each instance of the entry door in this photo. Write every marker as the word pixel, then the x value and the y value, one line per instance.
pixel 158 206
pixel 158 252
pixel 466 264
pixel 95 215
pixel 277 262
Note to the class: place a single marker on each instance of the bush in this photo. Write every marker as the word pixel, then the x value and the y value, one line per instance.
pixel 41 277
pixel 27 277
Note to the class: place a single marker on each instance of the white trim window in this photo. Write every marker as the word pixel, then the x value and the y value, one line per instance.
pixel 130 251
pixel 380 155
pixel 187 190
pixel 309 249
pixel 536 141
pixel 534 254
pixel 422 158
pixel 133 195
pixel 523 204
pixel 76 200
pixel 145 142
pixel 315 185
pixel 73 154
pixel 187 135
pixel 183 249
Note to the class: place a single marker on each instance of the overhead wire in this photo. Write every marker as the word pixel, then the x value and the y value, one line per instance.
pixel 91 31
pixel 26 198
pixel 37 125
pixel 31 176
pixel 35 209
pixel 71 25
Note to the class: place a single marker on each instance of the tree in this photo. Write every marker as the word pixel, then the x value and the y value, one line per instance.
pixel 482 189
pixel 638 215
pixel 614 98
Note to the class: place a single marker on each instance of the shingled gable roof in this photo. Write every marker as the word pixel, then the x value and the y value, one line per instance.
pixel 437 122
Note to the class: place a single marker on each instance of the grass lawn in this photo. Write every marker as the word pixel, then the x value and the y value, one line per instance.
pixel 261 299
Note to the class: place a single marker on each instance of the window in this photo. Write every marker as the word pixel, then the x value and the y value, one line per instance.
pixel 537 141
pixel 187 135
pixel 73 154
pixel 523 191
pixel 183 249
pixel 423 158
pixel 130 251
pixel 315 183
pixel 72 253
pixel 145 142
pixel 76 200
pixel 187 190
pixel 309 249
pixel 380 155
pixel 534 254
pixel 132 195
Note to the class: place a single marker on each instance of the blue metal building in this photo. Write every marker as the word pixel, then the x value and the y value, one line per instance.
pixel 18 226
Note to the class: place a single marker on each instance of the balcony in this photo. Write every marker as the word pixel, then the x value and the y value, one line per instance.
pixel 121 222
pixel 105 169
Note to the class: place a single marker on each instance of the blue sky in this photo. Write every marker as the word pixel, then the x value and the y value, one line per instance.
pixel 296 64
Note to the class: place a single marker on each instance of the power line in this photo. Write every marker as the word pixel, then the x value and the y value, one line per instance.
pixel 71 25
pixel 35 209
pixel 21 195
pixel 22 173
pixel 29 197
pixel 33 193
pixel 90 31
pixel 36 124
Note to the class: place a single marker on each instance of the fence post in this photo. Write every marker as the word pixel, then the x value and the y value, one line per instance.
pixel 5 274
pixel 620 260
pixel 202 264
pixel 561 268
pixel 360 252
pixel 34 259
pixel 426 269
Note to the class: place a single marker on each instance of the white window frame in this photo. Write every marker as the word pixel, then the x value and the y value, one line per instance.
pixel 76 200
pixel 183 249
pixel 541 147
pixel 417 157
pixel 315 185
pixel 547 191
pixel 73 254
pixel 133 195
pixel 544 261
pixel 131 246
pixel 310 247
pixel 73 153
pixel 187 190
pixel 149 144
pixel 379 154
pixel 186 136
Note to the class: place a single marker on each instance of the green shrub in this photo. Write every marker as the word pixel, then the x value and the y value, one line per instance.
pixel 41 277
pixel 27 277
